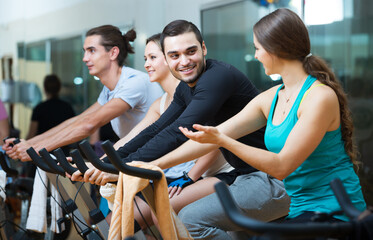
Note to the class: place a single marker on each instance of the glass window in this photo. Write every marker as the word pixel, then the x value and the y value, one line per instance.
pixel 78 87
pixel 36 52
pixel 227 31
pixel 344 39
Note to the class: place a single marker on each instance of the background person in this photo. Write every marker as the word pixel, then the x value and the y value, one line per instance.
pixel 51 112
pixel 47 115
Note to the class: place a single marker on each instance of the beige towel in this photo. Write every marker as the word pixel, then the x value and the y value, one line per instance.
pixel 122 223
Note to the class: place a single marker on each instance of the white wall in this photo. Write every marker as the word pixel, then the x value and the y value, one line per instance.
pixel 34 20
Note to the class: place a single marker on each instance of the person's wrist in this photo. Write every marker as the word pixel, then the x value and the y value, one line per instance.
pixel 186 176
pixel 222 140
pixel 193 176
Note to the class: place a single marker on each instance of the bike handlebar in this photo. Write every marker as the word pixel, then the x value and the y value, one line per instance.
pixel 51 162
pixel 4 165
pixel 130 170
pixel 344 201
pixel 38 161
pixel 16 141
pixel 94 159
pixel 79 161
pixel 63 161
pixel 289 230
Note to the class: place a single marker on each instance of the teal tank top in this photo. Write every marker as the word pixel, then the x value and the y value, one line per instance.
pixel 308 186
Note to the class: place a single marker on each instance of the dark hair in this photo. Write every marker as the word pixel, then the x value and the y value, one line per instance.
pixel 111 36
pixel 156 38
pixel 178 27
pixel 282 33
pixel 52 85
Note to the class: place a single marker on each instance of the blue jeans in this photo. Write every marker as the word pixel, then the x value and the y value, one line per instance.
pixel 257 194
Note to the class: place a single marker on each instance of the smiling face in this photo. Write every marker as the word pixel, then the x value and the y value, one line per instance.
pixel 185 57
pixel 96 57
pixel 268 60
pixel 155 63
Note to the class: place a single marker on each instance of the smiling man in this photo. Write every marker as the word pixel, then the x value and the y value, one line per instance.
pixel 210 92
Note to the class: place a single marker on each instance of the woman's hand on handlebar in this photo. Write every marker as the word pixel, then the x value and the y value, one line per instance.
pixel 105 177
pixel 96 176
pixel 77 176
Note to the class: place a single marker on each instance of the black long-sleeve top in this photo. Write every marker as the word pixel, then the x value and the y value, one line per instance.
pixel 220 93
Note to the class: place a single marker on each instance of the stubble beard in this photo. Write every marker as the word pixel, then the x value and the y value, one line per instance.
pixel 200 70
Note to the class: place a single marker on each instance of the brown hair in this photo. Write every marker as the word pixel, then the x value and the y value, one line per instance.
pixel 282 33
pixel 179 27
pixel 111 36
pixel 156 38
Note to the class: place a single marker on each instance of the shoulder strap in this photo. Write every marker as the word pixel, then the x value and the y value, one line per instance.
pixel 306 93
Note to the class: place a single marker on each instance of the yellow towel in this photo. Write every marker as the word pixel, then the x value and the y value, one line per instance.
pixel 122 223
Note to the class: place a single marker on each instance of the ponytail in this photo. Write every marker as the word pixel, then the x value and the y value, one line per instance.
pixel 128 37
pixel 318 68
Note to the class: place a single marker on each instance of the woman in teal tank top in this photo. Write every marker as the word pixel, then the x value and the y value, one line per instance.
pixel 309 127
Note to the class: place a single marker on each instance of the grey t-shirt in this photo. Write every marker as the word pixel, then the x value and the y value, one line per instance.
pixel 135 89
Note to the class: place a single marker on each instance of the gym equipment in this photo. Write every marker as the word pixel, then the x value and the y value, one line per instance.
pixel 84 229
pixel 309 230
pixel 20 187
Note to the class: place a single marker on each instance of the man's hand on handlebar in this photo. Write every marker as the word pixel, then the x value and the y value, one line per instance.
pixel 17 151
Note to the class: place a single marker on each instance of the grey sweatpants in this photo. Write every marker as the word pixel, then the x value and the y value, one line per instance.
pixel 259 195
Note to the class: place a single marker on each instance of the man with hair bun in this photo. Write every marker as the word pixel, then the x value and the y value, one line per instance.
pixel 124 100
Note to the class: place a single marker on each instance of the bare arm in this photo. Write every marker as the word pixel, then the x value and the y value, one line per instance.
pixel 64 125
pixel 98 177
pixel 73 129
pixel 203 164
pixel 316 117
pixel 248 120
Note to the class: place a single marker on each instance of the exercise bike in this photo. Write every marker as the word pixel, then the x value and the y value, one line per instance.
pixel 360 226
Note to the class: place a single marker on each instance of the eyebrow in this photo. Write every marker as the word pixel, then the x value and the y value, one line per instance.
pixel 150 53
pixel 189 48
pixel 88 48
